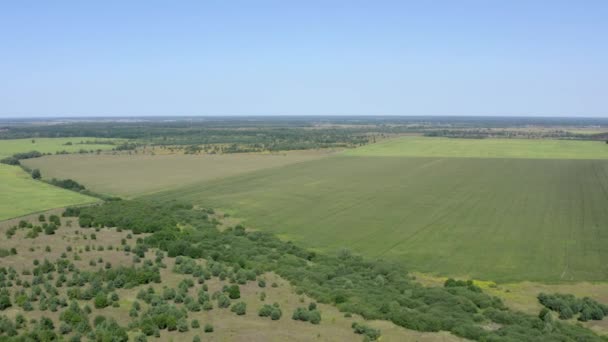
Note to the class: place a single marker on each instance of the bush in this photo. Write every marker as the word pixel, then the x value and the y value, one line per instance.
pixel 36 174
pixel 567 306
pixel 101 301
pixel 234 292
pixel 239 308
pixel 370 333
pixel 208 328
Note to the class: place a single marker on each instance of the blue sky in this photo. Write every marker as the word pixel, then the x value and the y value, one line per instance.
pixel 94 58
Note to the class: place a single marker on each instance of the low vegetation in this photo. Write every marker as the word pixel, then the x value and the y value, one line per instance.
pixel 375 290
pixel 568 306
pixel 20 194
pixel 491 219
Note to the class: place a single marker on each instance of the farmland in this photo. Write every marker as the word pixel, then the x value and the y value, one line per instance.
pixel 371 233
pixel 53 145
pixel 129 175
pixel 20 194
pixel 497 219
pixel 485 148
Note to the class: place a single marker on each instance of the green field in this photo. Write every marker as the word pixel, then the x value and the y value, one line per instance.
pixel 20 194
pixel 485 148
pixel 128 175
pixel 50 145
pixel 488 218
pixel 495 217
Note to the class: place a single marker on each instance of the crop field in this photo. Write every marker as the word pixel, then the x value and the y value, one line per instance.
pixel 128 175
pixel 485 148
pixel 20 194
pixel 51 145
pixel 496 219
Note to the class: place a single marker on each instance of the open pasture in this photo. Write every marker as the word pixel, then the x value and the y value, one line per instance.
pixel 128 175
pixel 415 146
pixel 51 145
pixel 496 219
pixel 20 194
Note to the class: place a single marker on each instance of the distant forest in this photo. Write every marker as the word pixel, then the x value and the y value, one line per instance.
pixel 249 134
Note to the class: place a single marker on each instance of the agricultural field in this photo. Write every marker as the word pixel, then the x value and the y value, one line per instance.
pixel 485 148
pixel 20 194
pixel 52 145
pixel 496 219
pixel 372 234
pixel 129 175
pixel 93 250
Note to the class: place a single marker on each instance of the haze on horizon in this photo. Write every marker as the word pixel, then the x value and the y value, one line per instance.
pixel 116 58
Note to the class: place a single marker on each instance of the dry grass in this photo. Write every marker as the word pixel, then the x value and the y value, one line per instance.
pixel 227 325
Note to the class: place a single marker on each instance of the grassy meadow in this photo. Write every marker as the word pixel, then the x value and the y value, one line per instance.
pixel 129 175
pixel 20 194
pixel 415 146
pixel 51 145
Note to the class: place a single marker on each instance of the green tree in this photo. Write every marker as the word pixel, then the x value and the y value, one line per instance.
pixel 36 174
pixel 101 301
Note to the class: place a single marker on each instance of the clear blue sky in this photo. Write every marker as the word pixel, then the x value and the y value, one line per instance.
pixel 490 57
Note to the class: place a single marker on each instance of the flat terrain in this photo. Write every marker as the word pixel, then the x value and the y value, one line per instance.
pixel 485 148
pixel 496 219
pixel 468 208
pixel 51 145
pixel 129 175
pixel 20 194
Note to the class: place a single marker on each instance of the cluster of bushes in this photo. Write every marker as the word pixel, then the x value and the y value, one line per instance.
pixel 273 311
pixel 69 184
pixel 15 158
pixel 310 314
pixel 569 306
pixel 7 252
pixel 373 289
pixel 371 334
pixel 140 217
pixel 41 294
pixel 33 230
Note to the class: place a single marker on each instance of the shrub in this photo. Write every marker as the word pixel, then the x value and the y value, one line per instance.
pixel 239 308
pixel 370 333
pixel 101 301
pixel 234 292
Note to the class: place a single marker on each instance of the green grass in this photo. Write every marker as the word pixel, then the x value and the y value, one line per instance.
pixel 49 145
pixel 20 194
pixel 485 148
pixel 497 219
pixel 129 175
